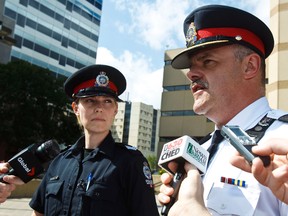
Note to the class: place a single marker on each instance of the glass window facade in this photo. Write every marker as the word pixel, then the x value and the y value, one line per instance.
pixel 62 34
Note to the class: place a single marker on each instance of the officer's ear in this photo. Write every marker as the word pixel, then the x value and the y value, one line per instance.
pixel 252 65
pixel 116 110
pixel 75 108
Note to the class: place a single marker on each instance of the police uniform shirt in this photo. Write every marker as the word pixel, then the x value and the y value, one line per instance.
pixel 120 183
pixel 253 199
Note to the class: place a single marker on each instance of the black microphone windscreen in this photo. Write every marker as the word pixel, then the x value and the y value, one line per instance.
pixel 47 150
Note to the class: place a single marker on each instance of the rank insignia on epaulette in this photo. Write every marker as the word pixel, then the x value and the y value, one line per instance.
pixel 265 122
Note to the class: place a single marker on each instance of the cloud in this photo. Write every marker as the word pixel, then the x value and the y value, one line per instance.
pixel 157 24
pixel 143 84
pixel 259 8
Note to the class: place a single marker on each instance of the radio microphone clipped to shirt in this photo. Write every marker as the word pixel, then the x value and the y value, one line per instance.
pixel 181 150
pixel 27 164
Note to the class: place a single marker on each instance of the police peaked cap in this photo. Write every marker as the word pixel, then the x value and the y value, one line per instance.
pixel 216 25
pixel 95 80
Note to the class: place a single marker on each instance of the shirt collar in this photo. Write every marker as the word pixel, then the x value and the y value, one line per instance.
pixel 252 114
pixel 106 147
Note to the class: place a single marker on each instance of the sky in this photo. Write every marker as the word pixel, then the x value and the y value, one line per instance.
pixel 134 35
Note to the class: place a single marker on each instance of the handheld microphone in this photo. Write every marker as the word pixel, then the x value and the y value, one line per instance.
pixel 27 164
pixel 181 150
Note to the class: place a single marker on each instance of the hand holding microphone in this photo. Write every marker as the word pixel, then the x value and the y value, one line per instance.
pixel 190 197
pixel 28 163
pixel 181 150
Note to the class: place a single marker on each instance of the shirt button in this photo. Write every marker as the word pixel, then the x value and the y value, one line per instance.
pixel 70 187
pixel 223 206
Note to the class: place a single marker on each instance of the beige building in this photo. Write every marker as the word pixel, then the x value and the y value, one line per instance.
pixel 277 71
pixel 177 118
pixel 137 124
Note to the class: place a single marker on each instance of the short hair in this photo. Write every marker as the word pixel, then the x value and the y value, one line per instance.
pixel 242 51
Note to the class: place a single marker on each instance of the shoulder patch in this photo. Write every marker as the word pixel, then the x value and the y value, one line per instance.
pixel 148 175
pixel 126 146
pixel 131 147
pixel 284 118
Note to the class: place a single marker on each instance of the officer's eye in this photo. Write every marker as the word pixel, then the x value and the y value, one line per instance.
pixel 89 100
pixel 108 101
pixel 208 63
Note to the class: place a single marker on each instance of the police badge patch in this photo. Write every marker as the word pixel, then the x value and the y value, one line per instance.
pixel 102 80
pixel 147 174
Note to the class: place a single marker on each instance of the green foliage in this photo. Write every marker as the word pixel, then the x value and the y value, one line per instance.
pixel 152 160
pixel 33 107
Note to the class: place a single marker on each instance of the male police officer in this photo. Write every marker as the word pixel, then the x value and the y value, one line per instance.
pixel 226 51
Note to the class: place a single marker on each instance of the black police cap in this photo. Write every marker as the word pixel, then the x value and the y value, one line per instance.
pixel 95 80
pixel 215 25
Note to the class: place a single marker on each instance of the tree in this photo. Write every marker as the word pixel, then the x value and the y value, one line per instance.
pixel 152 160
pixel 33 107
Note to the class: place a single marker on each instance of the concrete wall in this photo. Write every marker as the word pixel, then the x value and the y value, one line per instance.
pixel 26 190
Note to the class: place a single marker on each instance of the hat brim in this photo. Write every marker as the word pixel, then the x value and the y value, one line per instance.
pixel 182 60
pixel 94 91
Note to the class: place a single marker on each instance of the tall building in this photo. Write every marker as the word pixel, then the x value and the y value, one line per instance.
pixel 177 116
pixel 277 73
pixel 137 124
pixel 61 35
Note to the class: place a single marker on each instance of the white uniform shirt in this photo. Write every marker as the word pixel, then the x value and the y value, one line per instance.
pixel 254 199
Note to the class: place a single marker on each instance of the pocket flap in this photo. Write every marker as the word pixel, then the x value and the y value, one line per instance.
pixel 232 200
pixel 53 188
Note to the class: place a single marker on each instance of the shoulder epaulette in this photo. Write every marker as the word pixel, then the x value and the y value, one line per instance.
pixel 131 147
pixel 259 130
pixel 284 118
pixel 126 146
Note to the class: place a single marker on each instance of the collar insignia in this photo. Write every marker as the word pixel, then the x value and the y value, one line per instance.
pixel 191 35
pixel 102 79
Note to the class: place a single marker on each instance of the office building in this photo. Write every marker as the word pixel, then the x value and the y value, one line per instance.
pixel 61 35
pixel 137 124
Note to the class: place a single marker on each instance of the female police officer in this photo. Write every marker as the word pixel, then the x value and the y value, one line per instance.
pixel 96 176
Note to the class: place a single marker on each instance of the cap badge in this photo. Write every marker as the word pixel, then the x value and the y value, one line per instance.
pixel 191 35
pixel 102 79
pixel 238 37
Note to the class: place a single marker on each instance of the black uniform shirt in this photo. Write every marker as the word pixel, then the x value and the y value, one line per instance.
pixel 120 184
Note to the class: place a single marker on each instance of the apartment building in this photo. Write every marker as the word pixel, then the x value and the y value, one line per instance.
pixel 137 124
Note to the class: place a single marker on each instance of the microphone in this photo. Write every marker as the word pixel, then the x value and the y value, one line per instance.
pixel 27 164
pixel 181 150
